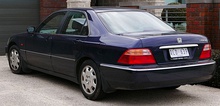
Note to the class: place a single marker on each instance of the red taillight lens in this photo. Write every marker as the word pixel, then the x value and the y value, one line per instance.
pixel 137 56
pixel 206 52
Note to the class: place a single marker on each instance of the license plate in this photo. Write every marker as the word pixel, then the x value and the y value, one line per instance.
pixel 180 52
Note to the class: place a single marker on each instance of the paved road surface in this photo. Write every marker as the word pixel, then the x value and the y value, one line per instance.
pixel 38 89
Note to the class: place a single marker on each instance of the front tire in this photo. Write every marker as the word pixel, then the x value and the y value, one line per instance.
pixel 90 81
pixel 15 60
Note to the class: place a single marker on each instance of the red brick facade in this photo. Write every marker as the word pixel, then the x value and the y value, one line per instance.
pixel 216 27
pixel 203 18
pixel 49 6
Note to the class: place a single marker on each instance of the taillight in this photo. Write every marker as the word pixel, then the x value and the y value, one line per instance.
pixel 206 52
pixel 137 56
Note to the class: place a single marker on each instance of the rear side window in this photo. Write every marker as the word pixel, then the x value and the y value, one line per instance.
pixel 51 25
pixel 75 24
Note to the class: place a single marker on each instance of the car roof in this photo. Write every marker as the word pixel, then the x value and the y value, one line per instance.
pixel 104 9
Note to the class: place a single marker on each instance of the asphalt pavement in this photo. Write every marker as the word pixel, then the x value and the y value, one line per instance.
pixel 38 89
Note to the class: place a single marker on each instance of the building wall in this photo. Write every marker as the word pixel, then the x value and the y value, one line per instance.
pixel 109 2
pixel 49 6
pixel 16 16
pixel 116 2
pixel 203 18
pixel 215 33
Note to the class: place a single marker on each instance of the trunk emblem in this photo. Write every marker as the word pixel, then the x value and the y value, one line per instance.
pixel 179 40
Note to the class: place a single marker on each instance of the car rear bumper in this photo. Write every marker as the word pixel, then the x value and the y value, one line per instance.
pixel 127 78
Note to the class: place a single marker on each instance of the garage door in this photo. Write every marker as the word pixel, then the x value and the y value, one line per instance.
pixel 15 17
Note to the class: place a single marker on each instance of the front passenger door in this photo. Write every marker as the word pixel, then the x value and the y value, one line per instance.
pixel 39 44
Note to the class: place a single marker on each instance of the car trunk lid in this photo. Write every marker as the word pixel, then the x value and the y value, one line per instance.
pixel 169 48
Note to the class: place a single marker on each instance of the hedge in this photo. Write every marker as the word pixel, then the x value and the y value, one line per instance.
pixel 215 81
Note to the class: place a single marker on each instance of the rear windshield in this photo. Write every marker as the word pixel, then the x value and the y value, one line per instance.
pixel 132 22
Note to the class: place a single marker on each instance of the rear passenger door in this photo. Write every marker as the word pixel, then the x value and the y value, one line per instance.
pixel 67 46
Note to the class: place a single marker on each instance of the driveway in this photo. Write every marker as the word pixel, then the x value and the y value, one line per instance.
pixel 38 89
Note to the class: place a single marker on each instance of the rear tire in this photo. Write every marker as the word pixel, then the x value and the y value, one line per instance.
pixel 90 81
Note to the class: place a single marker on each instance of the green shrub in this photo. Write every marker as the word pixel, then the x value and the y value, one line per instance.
pixel 215 81
pixel 174 14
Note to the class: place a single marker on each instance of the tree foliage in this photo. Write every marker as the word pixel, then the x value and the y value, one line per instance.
pixel 215 81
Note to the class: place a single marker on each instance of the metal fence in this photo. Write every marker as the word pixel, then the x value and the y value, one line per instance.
pixel 174 15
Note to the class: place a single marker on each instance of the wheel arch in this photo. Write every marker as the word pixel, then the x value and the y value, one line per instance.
pixel 105 85
pixel 80 62
pixel 10 45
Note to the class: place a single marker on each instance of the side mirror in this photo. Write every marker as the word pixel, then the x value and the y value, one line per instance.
pixel 31 29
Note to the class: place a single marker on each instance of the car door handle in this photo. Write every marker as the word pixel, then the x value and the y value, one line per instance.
pixel 48 38
pixel 76 41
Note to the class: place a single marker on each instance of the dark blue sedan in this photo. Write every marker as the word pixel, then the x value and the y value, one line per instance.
pixel 106 49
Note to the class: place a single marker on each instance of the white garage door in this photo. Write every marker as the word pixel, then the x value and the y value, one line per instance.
pixel 15 17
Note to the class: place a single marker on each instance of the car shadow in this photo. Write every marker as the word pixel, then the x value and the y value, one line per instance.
pixel 55 80
pixel 151 96
pixel 124 97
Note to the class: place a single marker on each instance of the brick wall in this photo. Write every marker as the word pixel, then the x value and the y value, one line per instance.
pixel 49 6
pixel 203 18
pixel 215 26
pixel 198 20
pixel 108 2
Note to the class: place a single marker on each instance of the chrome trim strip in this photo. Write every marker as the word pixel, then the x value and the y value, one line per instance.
pixel 98 43
pixel 178 46
pixel 23 50
pixel 37 53
pixel 155 69
pixel 49 55
pixel 63 58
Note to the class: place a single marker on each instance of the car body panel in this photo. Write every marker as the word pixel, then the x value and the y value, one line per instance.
pixel 38 49
pixel 134 79
pixel 63 53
